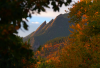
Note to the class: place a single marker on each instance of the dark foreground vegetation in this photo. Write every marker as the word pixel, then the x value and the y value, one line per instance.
pixel 14 53
pixel 80 50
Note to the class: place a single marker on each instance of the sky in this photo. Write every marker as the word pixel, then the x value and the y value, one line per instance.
pixel 38 19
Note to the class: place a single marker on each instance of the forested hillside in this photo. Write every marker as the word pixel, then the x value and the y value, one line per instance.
pixel 82 50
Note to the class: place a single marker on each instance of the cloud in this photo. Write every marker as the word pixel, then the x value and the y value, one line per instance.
pixel 35 22
pixel 47 14
pixel 50 13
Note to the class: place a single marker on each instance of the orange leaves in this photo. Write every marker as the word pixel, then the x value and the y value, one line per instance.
pixel 81 7
pixel 85 15
pixel 45 46
pixel 96 13
pixel 42 48
pixel 72 26
pixel 38 52
pixel 38 62
pixel 79 14
pixel 55 59
pixel 78 25
pixel 81 0
pixel 80 32
pixel 84 18
pixel 47 61
pixel 71 31
pixel 90 6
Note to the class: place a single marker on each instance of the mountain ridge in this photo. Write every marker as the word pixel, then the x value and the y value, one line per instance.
pixel 59 27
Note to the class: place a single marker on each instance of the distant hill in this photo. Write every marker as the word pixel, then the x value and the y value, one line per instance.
pixel 59 27
pixel 51 47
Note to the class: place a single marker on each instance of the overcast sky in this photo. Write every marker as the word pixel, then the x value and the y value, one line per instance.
pixel 38 19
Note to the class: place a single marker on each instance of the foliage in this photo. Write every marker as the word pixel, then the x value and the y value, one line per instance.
pixel 12 11
pixel 13 52
pixel 39 48
pixel 45 65
pixel 50 47
pixel 15 55
pixel 57 40
pixel 83 50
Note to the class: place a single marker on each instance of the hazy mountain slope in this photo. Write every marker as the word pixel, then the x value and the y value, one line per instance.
pixel 40 27
pixel 55 28
pixel 35 32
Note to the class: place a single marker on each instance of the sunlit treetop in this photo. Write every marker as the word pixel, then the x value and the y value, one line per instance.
pixel 86 17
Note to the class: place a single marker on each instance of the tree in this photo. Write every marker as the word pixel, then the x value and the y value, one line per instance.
pixel 12 11
pixel 14 53
pixel 83 50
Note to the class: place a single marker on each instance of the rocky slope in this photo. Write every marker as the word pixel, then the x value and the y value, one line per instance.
pixel 59 27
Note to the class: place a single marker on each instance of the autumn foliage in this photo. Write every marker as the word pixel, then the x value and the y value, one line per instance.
pixel 14 53
pixel 83 47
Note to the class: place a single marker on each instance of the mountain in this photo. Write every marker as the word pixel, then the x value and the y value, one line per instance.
pixel 59 27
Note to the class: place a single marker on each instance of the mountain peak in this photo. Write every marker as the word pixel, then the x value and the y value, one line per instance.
pixel 39 28
pixel 59 27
